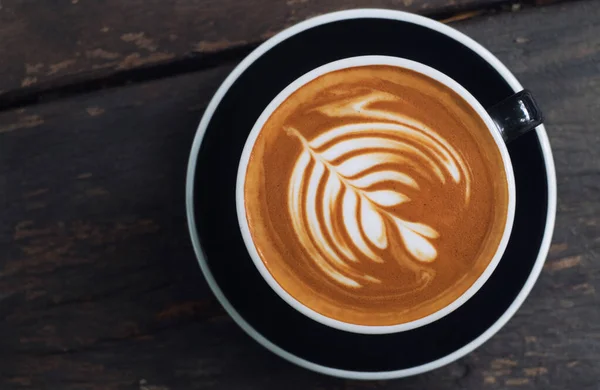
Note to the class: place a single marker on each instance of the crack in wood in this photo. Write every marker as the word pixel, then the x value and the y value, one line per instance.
pixel 32 95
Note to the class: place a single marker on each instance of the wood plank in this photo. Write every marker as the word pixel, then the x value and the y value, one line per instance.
pixel 72 41
pixel 99 287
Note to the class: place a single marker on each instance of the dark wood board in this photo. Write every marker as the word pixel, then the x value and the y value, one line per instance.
pixel 100 289
pixel 45 44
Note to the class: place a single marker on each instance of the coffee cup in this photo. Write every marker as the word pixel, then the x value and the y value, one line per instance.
pixel 362 188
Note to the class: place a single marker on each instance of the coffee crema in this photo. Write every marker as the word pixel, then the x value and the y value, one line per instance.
pixel 375 195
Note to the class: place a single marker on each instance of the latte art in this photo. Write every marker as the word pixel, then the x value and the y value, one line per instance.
pixel 353 165
pixel 374 195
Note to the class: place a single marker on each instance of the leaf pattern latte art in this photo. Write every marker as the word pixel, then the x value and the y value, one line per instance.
pixel 342 173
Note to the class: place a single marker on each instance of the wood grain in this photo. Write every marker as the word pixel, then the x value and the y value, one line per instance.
pixel 75 41
pixel 99 287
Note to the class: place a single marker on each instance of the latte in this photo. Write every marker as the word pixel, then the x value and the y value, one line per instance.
pixel 375 195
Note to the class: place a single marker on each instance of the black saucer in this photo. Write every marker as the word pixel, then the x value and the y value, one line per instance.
pixel 212 212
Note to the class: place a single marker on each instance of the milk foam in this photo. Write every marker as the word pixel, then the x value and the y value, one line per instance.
pixel 360 170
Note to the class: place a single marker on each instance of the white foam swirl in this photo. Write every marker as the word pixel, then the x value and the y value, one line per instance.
pixel 356 172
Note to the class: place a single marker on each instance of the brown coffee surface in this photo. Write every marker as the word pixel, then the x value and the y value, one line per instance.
pixel 375 195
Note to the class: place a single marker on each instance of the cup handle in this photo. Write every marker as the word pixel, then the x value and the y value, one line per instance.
pixel 516 115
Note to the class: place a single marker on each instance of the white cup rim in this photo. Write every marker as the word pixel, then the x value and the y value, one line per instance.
pixel 350 63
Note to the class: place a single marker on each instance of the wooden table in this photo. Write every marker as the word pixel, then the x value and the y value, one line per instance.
pixel 99 286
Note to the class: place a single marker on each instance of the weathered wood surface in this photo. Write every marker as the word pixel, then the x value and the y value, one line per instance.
pixel 46 45
pixel 99 286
